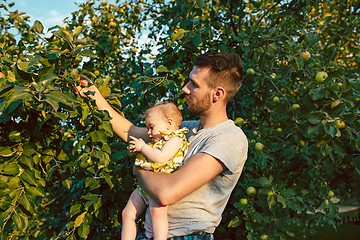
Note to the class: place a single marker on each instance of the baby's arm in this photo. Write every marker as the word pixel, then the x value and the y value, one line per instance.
pixel 170 148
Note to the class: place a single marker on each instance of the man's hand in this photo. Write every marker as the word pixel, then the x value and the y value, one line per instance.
pixel 135 144
pixel 86 86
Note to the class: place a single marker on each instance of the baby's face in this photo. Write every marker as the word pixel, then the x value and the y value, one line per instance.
pixel 155 123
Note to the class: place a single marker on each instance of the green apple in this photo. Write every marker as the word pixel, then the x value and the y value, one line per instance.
pixel 15 136
pixel 273 76
pixel 295 106
pixel 321 76
pixel 250 72
pixel 279 129
pixel 305 55
pixel 259 146
pixel 269 192
pixel 331 194
pixel 243 201
pixel 239 121
pixel 251 191
pixel 264 237
pixel 276 99
pixel 302 143
pixel 339 123
pixel 326 202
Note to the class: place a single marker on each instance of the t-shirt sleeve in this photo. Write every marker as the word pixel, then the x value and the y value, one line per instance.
pixel 229 147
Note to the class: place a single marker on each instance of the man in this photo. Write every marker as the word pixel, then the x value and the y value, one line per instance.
pixel 198 191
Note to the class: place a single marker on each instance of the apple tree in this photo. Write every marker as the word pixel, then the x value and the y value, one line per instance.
pixel 63 172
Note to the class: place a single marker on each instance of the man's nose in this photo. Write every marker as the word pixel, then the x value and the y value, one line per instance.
pixel 185 89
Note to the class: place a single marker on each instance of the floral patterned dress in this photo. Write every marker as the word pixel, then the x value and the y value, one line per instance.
pixel 165 167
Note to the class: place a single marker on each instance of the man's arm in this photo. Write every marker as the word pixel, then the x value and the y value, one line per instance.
pixel 121 126
pixel 167 188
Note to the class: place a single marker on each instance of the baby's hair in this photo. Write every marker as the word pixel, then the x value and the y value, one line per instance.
pixel 168 110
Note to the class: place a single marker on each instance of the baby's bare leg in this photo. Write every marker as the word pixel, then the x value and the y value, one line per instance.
pixel 132 210
pixel 159 220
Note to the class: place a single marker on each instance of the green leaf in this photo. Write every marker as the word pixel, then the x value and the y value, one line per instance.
pixel 201 4
pixel 78 30
pixel 67 183
pixel 38 27
pixel 9 169
pixel 357 143
pixel 99 136
pixel 316 117
pixel 282 200
pixel 26 160
pixel 23 200
pixel 235 222
pixel 84 230
pixel 88 53
pixel 66 36
pixel 178 34
pixel 17 93
pixel 271 201
pixel 330 129
pixel 162 68
pixel 265 182
pixel 29 177
pixel 75 209
pixel 79 219
pixel 6 152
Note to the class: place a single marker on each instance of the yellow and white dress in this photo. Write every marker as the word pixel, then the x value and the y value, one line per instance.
pixel 165 167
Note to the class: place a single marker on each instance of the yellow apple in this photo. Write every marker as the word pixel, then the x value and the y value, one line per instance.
pixel 320 77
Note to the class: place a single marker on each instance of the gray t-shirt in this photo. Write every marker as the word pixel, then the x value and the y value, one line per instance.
pixel 202 209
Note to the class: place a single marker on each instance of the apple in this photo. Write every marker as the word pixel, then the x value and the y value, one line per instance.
pixel 269 193
pixel 239 121
pixel 243 201
pixel 2 75
pixel 273 76
pixel 133 50
pixel 251 191
pixel 264 237
pixel 279 129
pixel 112 24
pixel 326 202
pixel 302 143
pixel 339 123
pixel 250 72
pixel 295 106
pixel 331 194
pixel 305 55
pixel 259 146
pixel 15 136
pixel 276 99
pixel 255 133
pixel 320 77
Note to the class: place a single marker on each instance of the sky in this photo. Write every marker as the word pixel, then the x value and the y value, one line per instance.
pixel 48 12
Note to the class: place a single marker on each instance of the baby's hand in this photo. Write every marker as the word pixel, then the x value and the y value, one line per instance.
pixel 136 144
pixel 86 88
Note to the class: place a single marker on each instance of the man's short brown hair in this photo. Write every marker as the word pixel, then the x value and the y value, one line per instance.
pixel 226 70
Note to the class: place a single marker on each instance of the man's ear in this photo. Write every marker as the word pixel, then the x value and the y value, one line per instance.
pixel 219 94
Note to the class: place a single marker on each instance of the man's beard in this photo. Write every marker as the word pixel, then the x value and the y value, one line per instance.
pixel 200 107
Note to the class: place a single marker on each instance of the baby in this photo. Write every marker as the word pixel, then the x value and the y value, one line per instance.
pixel 164 154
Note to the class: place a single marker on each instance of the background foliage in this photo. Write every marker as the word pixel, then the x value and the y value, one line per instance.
pixel 63 173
